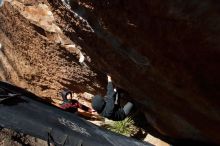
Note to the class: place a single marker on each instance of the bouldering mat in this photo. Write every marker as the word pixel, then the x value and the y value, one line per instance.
pixel 28 114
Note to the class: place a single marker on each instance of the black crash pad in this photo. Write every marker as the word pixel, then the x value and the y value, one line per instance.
pixel 26 113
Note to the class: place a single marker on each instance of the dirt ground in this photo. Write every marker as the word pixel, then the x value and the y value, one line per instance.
pixel 11 138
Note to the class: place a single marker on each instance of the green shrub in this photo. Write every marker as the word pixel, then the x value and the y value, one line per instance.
pixel 125 127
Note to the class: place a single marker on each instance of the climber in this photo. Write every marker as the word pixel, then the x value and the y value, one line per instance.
pixel 72 105
pixel 110 107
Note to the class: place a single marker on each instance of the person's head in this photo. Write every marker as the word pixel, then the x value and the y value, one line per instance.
pixel 66 95
pixel 98 103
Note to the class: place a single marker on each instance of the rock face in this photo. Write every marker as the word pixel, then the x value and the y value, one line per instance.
pixel 37 55
pixel 165 54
